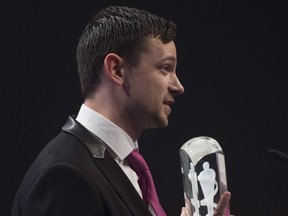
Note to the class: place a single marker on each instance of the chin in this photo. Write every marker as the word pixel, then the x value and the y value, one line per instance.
pixel 159 121
pixel 164 123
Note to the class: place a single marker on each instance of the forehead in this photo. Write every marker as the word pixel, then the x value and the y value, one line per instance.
pixel 157 49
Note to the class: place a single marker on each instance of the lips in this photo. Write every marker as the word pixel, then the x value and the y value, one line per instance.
pixel 168 105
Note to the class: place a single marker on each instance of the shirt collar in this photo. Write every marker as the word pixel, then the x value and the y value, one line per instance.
pixel 117 140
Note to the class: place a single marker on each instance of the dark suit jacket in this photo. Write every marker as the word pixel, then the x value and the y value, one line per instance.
pixel 75 175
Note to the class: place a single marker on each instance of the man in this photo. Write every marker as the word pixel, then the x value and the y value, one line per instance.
pixel 127 67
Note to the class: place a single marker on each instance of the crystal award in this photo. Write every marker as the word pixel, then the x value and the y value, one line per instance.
pixel 203 174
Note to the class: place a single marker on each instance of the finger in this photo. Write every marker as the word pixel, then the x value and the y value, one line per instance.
pixel 223 204
pixel 184 212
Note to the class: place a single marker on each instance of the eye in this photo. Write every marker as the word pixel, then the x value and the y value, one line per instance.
pixel 165 67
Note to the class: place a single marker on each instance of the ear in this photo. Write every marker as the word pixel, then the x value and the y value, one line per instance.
pixel 113 66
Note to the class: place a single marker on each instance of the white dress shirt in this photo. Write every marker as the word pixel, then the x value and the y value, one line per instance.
pixel 119 143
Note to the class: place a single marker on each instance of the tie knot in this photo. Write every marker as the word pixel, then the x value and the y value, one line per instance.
pixel 137 162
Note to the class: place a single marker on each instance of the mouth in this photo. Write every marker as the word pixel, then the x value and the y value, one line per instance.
pixel 169 102
pixel 168 105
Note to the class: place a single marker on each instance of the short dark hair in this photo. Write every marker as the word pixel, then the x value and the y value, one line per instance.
pixel 121 30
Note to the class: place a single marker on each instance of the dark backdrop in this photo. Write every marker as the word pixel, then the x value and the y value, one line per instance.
pixel 232 62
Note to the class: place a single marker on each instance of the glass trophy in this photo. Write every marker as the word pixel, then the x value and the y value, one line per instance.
pixel 203 174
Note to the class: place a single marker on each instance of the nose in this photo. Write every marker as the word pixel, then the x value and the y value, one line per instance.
pixel 175 87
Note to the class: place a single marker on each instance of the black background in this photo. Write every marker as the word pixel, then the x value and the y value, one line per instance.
pixel 232 61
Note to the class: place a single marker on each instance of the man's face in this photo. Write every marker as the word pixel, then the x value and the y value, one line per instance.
pixel 152 85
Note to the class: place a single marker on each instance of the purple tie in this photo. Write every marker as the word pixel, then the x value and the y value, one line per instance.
pixel 145 181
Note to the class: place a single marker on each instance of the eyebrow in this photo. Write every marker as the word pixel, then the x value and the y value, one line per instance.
pixel 171 58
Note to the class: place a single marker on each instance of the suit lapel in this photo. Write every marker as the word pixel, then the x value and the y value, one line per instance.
pixel 109 167
pixel 122 185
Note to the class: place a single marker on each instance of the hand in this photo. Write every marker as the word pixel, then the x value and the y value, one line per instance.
pixel 222 208
pixel 185 212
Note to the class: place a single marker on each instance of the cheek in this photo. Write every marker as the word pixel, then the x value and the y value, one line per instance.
pixel 151 89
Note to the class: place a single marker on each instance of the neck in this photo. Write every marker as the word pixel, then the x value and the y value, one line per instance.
pixel 115 114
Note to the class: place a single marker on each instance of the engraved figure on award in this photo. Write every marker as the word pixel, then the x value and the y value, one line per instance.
pixel 192 175
pixel 209 185
pixel 203 174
